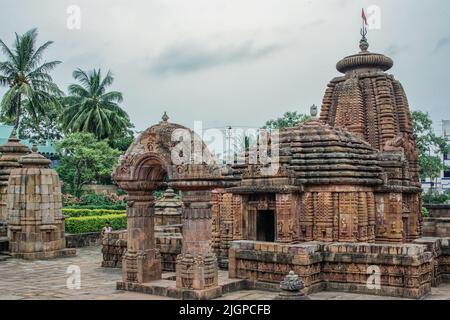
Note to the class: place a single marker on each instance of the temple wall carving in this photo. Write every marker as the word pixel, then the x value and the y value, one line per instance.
pixel 337 266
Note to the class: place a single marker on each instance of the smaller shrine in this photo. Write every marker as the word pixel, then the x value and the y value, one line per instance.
pixel 35 219
pixel 11 152
pixel 168 209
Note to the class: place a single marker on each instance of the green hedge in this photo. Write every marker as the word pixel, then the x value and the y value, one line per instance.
pixel 95 223
pixel 93 207
pixel 73 213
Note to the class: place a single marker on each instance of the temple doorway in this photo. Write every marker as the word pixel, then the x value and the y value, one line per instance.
pixel 265 226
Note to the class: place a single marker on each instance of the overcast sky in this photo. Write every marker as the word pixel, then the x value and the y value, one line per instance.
pixel 236 62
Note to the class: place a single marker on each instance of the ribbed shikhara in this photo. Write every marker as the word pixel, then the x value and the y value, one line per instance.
pixel 371 104
pixel 319 154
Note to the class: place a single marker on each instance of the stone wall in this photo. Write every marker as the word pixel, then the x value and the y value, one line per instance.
pixel 100 188
pixel 114 248
pixel 168 241
pixel 438 210
pixel 405 270
pixel 79 240
pixel 438 222
pixel 441 252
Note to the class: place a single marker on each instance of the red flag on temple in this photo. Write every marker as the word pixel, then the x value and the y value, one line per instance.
pixel 364 17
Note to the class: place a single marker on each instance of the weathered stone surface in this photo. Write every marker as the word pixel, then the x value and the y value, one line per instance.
pixel 11 152
pixel 405 270
pixel 34 204
pixel 348 180
pixel 79 240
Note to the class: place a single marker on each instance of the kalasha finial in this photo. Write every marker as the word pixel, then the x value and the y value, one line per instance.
pixel 34 148
pixel 313 111
pixel 165 117
pixel 14 133
pixel 363 44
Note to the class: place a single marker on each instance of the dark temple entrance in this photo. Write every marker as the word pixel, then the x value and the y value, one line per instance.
pixel 265 226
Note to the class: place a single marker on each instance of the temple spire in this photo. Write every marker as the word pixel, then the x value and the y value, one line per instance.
pixel 165 117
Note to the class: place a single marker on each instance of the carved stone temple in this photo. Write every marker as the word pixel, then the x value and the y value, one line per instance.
pixel 33 205
pixel 343 205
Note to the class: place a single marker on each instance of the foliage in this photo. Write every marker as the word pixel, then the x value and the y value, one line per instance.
pixel 90 108
pixel 95 223
pixel 30 86
pixel 435 198
pixel 96 199
pixel 72 213
pixel 289 119
pixel 83 159
pixel 425 212
pixel 429 145
pixel 119 206
pixel 70 200
pixel 46 126
pixel 122 141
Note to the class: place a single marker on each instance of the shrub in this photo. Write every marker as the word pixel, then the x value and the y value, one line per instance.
pixel 73 213
pixel 95 223
pixel 122 207
pixel 435 198
pixel 425 212
pixel 93 200
pixel 70 200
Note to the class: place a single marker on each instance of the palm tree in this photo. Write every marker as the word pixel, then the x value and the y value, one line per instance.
pixel 90 108
pixel 29 82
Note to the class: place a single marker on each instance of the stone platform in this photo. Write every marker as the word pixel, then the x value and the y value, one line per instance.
pixel 166 287
pixel 405 271
pixel 43 255
pixel 47 279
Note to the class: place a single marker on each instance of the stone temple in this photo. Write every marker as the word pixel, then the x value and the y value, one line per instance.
pixel 342 210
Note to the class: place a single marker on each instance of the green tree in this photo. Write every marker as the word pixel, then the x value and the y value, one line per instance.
pixel 30 86
pixel 45 127
pixel 123 141
pixel 430 147
pixel 289 119
pixel 84 159
pixel 90 108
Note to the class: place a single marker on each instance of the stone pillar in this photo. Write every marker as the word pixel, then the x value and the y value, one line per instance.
pixel 142 262
pixel 11 152
pixel 35 220
pixel 197 267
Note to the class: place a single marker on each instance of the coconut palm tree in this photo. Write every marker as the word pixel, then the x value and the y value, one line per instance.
pixel 90 108
pixel 29 84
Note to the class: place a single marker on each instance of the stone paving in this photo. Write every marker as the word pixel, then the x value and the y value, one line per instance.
pixel 47 279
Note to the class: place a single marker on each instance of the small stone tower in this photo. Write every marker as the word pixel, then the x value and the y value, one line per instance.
pixel 11 152
pixel 35 220
pixel 168 209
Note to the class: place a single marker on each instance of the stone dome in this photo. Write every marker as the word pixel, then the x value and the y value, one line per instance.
pixel 317 153
pixel 365 60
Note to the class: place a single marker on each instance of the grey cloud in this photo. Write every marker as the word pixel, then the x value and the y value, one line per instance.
pixel 185 58
pixel 443 42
